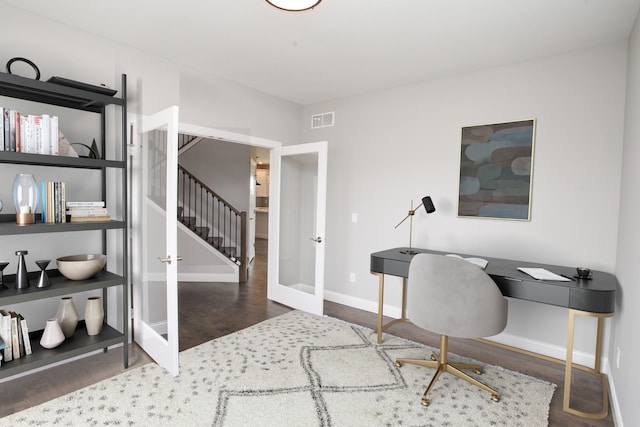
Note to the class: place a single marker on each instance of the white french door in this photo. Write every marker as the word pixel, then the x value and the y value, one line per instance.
pixel 297 226
pixel 155 290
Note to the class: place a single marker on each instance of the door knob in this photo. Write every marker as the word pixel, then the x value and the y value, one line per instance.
pixel 316 239
pixel 168 259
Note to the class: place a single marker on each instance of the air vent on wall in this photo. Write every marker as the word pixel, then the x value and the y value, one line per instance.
pixel 322 120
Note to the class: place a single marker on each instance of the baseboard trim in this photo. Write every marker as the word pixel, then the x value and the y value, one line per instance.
pixel 208 277
pixel 545 349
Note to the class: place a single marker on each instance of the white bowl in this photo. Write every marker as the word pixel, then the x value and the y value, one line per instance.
pixel 81 267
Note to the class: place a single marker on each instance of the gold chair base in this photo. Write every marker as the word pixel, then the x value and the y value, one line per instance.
pixel 441 364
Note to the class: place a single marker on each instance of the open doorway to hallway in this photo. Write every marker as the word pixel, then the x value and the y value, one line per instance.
pixel 211 310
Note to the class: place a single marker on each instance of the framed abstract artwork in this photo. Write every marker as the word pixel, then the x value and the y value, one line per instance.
pixel 496 166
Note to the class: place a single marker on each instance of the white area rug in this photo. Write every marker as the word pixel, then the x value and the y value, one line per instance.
pixel 297 370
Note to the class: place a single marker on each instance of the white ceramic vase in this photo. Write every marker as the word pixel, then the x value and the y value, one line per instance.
pixel 67 316
pixel 52 335
pixel 94 315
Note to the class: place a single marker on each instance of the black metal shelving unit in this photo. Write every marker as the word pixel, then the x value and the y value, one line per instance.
pixel 81 343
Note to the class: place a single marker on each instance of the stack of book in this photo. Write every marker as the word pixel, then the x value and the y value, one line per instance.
pixel 28 133
pixel 53 201
pixel 87 212
pixel 15 334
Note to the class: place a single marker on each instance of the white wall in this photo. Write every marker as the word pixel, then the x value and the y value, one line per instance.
pixel 390 147
pixel 625 324
pixel 212 102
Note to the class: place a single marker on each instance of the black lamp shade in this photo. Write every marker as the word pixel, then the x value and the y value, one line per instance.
pixel 428 204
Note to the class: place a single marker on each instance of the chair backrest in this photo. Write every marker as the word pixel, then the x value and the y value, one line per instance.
pixel 451 296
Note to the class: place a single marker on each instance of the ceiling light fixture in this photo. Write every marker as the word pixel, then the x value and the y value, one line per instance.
pixel 294 5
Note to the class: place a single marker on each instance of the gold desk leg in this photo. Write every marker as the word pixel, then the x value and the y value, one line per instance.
pixel 403 318
pixel 595 370
pixel 380 304
pixel 404 300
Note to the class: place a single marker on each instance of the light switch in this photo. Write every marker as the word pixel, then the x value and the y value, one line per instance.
pixel 354 217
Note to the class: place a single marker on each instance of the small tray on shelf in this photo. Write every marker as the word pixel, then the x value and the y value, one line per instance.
pixel 81 85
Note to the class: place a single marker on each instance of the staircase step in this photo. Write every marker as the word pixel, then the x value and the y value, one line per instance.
pixel 189 221
pixel 215 241
pixel 202 231
pixel 229 251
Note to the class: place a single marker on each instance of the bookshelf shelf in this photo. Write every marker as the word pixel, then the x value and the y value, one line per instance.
pixel 60 161
pixel 9 227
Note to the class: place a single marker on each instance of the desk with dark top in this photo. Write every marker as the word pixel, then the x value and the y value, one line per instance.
pixel 593 297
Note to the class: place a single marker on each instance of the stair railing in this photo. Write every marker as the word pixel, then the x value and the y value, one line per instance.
pixel 184 140
pixel 213 219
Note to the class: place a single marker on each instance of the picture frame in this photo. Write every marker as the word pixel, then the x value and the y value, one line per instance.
pixel 496 170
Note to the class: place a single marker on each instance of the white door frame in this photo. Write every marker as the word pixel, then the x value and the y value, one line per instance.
pixel 211 133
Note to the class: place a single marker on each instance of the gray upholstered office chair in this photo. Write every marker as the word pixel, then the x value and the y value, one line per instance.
pixel 453 297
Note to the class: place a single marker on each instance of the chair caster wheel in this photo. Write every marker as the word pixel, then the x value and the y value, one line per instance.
pixel 398 364
pixel 434 357
pixel 495 398
pixel 424 401
pixel 478 371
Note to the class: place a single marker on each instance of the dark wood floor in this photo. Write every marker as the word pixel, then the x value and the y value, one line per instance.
pixel 211 310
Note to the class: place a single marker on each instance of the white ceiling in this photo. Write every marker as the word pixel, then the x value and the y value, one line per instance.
pixel 346 47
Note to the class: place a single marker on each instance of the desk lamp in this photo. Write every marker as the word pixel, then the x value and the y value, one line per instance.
pixel 428 206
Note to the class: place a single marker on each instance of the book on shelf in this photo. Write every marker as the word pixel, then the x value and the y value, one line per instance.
pixel 53 195
pixel 87 211
pixel 7 131
pixel 90 218
pixel 85 204
pixel 25 333
pixel 15 337
pixel 1 128
pixel 5 330
pixel 54 137
pixel 21 351
pixel 12 130
pixel 28 133
pixel 77 212
pixel 45 135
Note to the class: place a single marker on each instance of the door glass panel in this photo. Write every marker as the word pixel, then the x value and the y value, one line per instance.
pixel 153 311
pixel 298 199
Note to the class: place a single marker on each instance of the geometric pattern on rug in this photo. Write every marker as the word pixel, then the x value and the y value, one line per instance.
pixel 298 369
